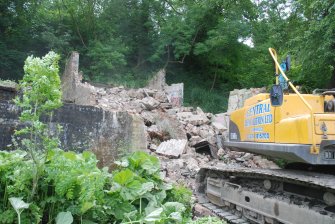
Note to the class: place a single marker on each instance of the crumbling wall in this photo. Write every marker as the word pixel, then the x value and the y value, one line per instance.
pixel 238 96
pixel 107 133
pixel 158 81
pixel 74 91
pixel 112 121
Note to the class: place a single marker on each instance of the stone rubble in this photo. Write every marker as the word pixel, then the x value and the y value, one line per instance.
pixel 172 148
pixel 184 138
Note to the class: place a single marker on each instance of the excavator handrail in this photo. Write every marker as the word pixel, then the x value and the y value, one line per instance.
pixel 314 148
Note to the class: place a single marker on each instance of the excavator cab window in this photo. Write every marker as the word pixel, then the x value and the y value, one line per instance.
pixel 276 95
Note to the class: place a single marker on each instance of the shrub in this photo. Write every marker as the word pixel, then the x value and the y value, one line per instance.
pixel 71 185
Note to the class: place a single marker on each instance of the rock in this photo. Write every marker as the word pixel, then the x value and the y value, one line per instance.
pixel 149 92
pixel 171 126
pixel 194 140
pixel 201 211
pixel 172 148
pixel 206 133
pixel 150 103
pixel 173 111
pixel 247 156
pixel 153 147
pixel 148 117
pixel 187 109
pixel 166 105
pixel 155 133
pixel 132 93
pixel 221 152
pixel 176 164
pixel 194 119
pixel 195 131
pixel 161 97
pixel 193 166
pixel 264 163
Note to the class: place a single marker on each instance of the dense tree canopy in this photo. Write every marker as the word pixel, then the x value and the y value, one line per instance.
pixel 218 44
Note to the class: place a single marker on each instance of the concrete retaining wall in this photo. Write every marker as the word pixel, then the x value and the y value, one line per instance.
pixel 108 134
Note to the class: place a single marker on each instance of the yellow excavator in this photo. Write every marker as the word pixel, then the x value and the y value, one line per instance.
pixel 299 128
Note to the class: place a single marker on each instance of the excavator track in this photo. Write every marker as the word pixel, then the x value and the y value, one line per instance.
pixel 247 195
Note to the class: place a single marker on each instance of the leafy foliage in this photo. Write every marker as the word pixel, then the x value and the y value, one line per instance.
pixel 41 94
pixel 72 187
pixel 122 42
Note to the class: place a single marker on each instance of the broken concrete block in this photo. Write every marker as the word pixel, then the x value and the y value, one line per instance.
pixel 192 166
pixel 172 148
pixel 150 103
pixel 219 126
pixel 194 119
pixel 222 120
pixel 175 94
pixel 161 97
pixel 148 117
pixel 166 105
pixel 194 140
pixel 206 132
pixel 153 147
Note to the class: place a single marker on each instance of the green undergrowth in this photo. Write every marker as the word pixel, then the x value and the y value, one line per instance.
pixel 71 187
pixel 40 183
pixel 198 91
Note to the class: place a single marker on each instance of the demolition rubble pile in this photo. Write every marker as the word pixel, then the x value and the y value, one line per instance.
pixel 184 138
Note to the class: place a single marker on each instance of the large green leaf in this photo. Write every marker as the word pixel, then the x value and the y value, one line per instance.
pixel 64 218
pixel 131 190
pixel 86 206
pixel 124 177
pixel 18 204
pixel 154 215
pixel 142 160
pixel 170 207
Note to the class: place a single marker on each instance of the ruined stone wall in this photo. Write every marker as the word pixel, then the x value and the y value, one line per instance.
pixel 238 96
pixel 158 81
pixel 108 134
pixel 73 89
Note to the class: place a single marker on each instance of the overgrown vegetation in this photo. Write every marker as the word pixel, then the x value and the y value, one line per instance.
pixel 71 185
pixel 40 183
pixel 222 43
